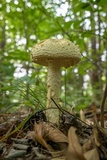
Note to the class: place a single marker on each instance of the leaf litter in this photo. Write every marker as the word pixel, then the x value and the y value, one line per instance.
pixel 74 137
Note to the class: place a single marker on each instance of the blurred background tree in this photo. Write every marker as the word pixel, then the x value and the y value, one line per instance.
pixel 24 23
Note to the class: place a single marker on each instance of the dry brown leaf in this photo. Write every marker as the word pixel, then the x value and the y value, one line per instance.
pixel 38 129
pixel 74 151
pixel 92 155
pixel 53 134
pixel 57 154
pixel 88 145
pixel 82 116
pixel 58 158
pixel 45 132
pixel 31 135
pixel 96 136
pixel 98 133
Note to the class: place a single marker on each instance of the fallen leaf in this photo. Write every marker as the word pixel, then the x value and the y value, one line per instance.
pixel 82 116
pixel 74 151
pixel 88 145
pixel 96 136
pixel 39 136
pixel 54 134
pixel 92 155
pixel 47 132
pixel 31 135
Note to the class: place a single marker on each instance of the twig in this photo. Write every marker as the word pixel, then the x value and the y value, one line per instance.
pixel 64 111
pixel 102 106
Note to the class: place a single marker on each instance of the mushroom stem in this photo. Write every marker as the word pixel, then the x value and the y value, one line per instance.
pixel 53 83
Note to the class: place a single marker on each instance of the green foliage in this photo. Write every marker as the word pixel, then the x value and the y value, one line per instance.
pixel 23 23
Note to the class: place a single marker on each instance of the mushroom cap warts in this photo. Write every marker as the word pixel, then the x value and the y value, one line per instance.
pixel 61 51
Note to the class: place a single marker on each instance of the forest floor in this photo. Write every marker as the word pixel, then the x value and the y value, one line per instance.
pixel 25 136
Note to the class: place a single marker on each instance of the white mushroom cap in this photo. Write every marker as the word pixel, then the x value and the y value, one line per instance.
pixel 61 51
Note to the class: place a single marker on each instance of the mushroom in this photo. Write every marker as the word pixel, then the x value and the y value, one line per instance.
pixel 55 53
